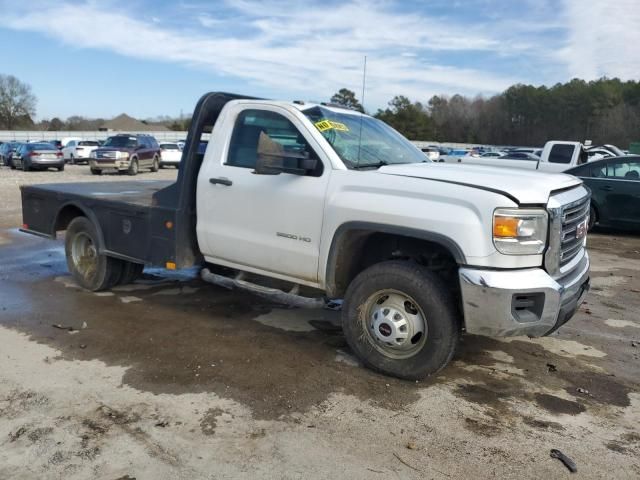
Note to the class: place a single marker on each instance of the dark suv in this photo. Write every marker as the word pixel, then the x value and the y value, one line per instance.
pixel 128 153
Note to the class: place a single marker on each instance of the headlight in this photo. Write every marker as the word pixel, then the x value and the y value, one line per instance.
pixel 520 231
pixel 93 154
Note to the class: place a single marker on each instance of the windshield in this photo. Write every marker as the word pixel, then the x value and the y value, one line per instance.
pixel 362 141
pixel 88 143
pixel 169 146
pixel 127 142
pixel 41 146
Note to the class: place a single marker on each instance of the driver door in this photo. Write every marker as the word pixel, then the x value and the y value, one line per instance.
pixel 268 223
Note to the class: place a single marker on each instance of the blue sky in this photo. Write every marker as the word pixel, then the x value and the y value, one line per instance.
pixel 99 58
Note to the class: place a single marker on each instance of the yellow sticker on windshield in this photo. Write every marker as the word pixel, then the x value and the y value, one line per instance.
pixel 324 125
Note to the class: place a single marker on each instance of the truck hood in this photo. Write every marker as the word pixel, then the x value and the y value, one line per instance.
pixel 522 186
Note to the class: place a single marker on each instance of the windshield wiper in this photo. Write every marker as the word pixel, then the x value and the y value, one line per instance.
pixel 379 164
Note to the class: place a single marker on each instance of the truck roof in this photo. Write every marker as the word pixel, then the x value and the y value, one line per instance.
pixel 299 105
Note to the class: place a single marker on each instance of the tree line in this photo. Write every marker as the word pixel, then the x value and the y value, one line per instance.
pixel 604 111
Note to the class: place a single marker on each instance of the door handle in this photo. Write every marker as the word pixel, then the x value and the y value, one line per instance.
pixel 606 188
pixel 221 181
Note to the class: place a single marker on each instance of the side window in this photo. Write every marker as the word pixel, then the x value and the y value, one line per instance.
pixel 561 153
pixel 143 142
pixel 243 149
pixel 624 170
pixel 71 144
pixel 599 171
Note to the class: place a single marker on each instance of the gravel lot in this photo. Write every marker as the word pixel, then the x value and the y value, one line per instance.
pixel 173 378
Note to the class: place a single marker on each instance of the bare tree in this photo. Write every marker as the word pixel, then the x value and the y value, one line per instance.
pixel 17 102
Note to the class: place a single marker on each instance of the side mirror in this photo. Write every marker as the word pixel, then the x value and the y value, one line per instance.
pixel 273 159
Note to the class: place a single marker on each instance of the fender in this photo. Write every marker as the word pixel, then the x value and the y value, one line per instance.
pixel 442 240
pixel 87 213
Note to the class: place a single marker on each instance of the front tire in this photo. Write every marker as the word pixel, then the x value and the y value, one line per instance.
pixel 593 218
pixel 133 167
pixel 401 320
pixel 96 171
pixel 90 269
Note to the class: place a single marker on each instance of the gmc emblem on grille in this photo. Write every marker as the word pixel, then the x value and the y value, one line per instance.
pixel 581 230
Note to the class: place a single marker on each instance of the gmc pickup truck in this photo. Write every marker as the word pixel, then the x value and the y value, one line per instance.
pixel 338 205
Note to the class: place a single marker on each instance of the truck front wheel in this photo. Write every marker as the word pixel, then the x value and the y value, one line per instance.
pixel 90 269
pixel 400 319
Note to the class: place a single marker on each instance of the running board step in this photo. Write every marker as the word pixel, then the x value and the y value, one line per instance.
pixel 279 296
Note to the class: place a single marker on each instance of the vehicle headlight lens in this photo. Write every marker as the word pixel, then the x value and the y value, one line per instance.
pixel 520 231
pixel 93 154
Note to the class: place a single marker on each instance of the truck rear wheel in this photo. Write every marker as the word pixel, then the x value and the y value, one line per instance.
pixel 90 269
pixel 400 319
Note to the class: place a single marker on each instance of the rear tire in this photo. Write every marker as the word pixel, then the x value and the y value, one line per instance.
pixel 133 167
pixel 90 269
pixel 96 171
pixel 24 166
pixel 401 320
pixel 130 272
pixel 61 168
pixel 154 165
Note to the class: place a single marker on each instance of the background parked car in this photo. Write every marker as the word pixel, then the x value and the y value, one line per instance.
pixel 615 191
pixel 170 154
pixel 432 153
pixel 66 140
pixel 6 151
pixel 77 151
pixel 519 155
pixel 124 152
pixel 55 143
pixel 40 155
pixel 454 155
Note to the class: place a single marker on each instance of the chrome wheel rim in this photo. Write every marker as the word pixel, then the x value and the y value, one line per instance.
pixel 84 255
pixel 395 324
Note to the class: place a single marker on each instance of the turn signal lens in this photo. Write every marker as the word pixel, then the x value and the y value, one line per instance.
pixel 520 231
pixel 504 227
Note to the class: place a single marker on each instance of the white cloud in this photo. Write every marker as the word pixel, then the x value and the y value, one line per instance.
pixel 307 50
pixel 603 39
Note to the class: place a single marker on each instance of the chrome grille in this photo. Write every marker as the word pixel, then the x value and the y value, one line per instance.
pixel 107 154
pixel 573 218
pixel 568 215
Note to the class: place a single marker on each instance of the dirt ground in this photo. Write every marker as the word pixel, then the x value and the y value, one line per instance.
pixel 174 378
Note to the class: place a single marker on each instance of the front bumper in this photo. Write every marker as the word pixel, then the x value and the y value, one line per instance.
pixel 521 302
pixel 120 164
